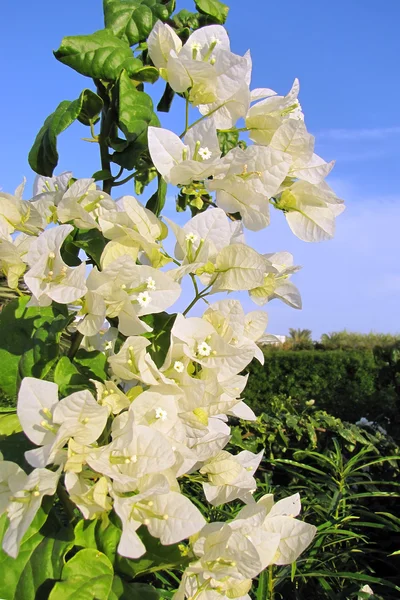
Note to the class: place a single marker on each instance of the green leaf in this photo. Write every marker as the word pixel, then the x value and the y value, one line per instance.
pixel 132 20
pixel 102 175
pixel 43 156
pixel 87 576
pixel 9 424
pixel 92 105
pixel 18 325
pixel 91 364
pixel 121 590
pixel 68 377
pixel 143 178
pixel 185 18
pixel 164 104
pixel 157 201
pixel 228 140
pixel 214 9
pixel 39 360
pixel 135 110
pixel 160 337
pixel 40 560
pixel 146 74
pixel 91 241
pixel 100 55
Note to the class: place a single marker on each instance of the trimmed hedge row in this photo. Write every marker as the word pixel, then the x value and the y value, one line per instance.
pixel 348 384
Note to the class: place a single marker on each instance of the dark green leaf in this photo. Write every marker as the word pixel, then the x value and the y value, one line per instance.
pixel 160 337
pixel 91 364
pixel 91 241
pixel 157 201
pixel 87 576
pixel 185 18
pixel 92 106
pixel 100 55
pixel 18 325
pixel 43 156
pixel 228 140
pixel 146 74
pixel 102 175
pixel 143 178
pixel 214 9
pixel 132 20
pixel 39 562
pixel 165 103
pixel 68 378
pixel 121 590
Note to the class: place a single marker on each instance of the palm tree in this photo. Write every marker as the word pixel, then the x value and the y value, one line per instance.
pixel 300 335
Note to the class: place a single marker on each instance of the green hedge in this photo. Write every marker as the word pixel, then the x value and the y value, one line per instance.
pixel 349 384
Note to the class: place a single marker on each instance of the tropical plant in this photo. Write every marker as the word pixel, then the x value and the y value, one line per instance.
pixel 120 403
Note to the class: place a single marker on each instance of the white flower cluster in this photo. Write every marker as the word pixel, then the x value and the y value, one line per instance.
pixel 151 427
pixel 280 168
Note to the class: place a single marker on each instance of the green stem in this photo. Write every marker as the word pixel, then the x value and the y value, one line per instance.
pixel 105 129
pixel 75 344
pixel 203 294
pixel 131 176
pixel 200 120
pixel 186 114
pixel 270 583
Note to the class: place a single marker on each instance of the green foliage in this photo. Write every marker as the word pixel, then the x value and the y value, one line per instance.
pixel 342 383
pixel 347 339
pixel 132 20
pixel 29 341
pixel 348 480
pixel 214 9
pixel 43 157
pixel 100 55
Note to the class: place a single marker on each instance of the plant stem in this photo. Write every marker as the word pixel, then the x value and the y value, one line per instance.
pixel 198 297
pixel 105 128
pixel 270 583
pixel 200 120
pixel 128 178
pixel 186 114
pixel 75 344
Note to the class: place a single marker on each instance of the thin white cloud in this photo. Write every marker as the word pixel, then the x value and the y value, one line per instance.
pixel 374 133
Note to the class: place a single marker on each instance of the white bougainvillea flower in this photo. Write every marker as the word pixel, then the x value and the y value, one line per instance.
pixel 8 469
pixel 265 117
pixel 251 178
pixel 278 285
pixel 90 496
pixel 109 395
pixel 91 316
pixel 239 267
pixel 161 41
pixel 26 497
pixel 136 451
pixel 311 210
pixel 205 346
pixel 131 217
pixel 133 362
pixel 232 94
pixel 17 214
pixel 170 516
pixel 49 278
pixel 181 162
pixel 230 477
pixel 12 257
pixel 50 423
pixel 236 328
pixel 295 535
pixel 83 204
pixel 203 236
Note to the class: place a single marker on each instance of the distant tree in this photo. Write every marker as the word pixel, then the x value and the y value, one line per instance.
pixel 349 340
pixel 299 339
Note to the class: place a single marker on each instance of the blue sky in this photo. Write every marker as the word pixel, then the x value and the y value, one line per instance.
pixel 346 57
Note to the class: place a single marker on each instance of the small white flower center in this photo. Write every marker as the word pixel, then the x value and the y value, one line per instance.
pixel 203 349
pixel 191 237
pixel 144 299
pixel 161 414
pixel 179 366
pixel 196 46
pixel 151 284
pixel 205 153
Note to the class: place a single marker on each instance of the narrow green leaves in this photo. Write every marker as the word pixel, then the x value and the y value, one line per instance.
pixel 217 11
pixel 157 201
pixel 132 20
pixel 43 157
pixel 100 55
